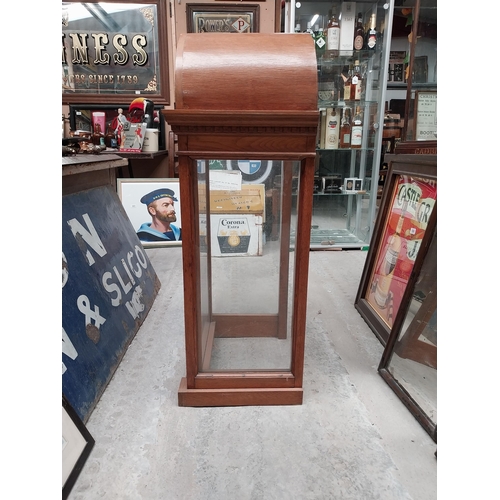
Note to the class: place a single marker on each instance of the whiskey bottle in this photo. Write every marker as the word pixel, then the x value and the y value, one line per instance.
pixel 345 129
pixel 319 42
pixel 357 129
pixel 347 85
pixel 98 136
pixel 359 34
pixel 371 36
pixel 356 83
pixel 333 36
pixel 110 138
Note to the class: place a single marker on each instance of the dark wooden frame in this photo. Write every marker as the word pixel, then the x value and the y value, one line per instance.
pixel 224 10
pixel 275 132
pixel 77 468
pixel 408 346
pixel 162 97
pixel 422 166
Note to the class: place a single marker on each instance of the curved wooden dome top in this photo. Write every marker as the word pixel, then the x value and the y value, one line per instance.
pixel 243 72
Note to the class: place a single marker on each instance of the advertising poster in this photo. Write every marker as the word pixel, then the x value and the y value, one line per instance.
pixel 412 203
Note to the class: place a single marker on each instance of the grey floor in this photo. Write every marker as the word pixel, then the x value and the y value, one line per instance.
pixel 352 438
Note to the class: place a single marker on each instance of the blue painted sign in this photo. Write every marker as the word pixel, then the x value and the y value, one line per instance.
pixel 109 286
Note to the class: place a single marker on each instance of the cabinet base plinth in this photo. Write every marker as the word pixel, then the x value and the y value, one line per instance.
pixel 238 397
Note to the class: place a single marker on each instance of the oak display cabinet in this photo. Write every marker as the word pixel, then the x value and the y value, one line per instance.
pixel 245 98
pixel 344 217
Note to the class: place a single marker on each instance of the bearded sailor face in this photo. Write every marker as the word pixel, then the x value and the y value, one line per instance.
pixel 163 209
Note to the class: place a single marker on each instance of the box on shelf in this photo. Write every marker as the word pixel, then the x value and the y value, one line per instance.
pixel 99 118
pixel 250 199
pixel 347 26
pixel 353 185
pixel 236 235
pixel 332 184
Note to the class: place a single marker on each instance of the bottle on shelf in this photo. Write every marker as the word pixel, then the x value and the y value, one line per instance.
pixel 371 37
pixel 347 85
pixel 98 136
pixel 356 83
pixel 345 129
pixel 319 42
pixel 333 36
pixel 359 34
pixel 309 29
pixel 357 129
pixel 110 138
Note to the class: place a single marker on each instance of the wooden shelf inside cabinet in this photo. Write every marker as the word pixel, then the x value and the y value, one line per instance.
pixel 143 155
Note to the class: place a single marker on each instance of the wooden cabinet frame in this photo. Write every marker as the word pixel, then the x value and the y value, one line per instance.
pixel 212 128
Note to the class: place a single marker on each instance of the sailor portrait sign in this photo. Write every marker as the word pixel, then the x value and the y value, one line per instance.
pixel 112 49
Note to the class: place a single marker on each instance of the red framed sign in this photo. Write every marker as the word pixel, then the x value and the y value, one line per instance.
pixel 407 211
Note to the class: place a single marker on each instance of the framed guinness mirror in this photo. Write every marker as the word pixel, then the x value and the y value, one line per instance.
pixel 113 51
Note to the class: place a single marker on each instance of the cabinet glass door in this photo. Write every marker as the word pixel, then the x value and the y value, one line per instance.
pixel 352 78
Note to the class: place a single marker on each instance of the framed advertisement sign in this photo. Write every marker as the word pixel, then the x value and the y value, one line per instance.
pixel 425 115
pixel 406 217
pixel 154 209
pixel 229 18
pixel 114 52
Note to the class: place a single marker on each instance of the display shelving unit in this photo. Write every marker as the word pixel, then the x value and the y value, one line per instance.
pixel 343 218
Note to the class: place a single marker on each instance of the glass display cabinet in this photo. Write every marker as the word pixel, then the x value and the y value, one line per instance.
pixel 247 100
pixel 350 134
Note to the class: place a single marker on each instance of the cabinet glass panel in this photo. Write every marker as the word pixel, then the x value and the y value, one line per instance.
pixel 352 77
pixel 247 227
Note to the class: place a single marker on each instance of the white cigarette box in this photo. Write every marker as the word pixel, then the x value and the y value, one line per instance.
pixel 347 25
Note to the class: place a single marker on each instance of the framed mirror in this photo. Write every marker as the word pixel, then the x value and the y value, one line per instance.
pixel 113 52
pixel 409 361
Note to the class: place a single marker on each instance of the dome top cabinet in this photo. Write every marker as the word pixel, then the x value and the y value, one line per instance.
pixel 351 135
pixel 246 118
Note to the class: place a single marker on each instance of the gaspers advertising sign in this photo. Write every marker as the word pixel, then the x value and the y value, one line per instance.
pixel 413 201
pixel 108 288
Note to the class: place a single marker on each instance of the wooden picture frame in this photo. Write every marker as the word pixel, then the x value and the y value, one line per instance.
pixel 227 18
pixel 403 229
pixel 77 443
pixel 113 54
pixel 409 360
pixel 425 115
pixel 131 192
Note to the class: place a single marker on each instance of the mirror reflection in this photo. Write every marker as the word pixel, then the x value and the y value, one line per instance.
pixel 413 362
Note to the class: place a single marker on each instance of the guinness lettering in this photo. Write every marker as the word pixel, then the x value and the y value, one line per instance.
pixel 80 50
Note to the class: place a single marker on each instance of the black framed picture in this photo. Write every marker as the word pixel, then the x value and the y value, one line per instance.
pixel 77 443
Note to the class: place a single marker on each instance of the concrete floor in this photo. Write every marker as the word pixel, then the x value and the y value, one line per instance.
pixel 351 439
